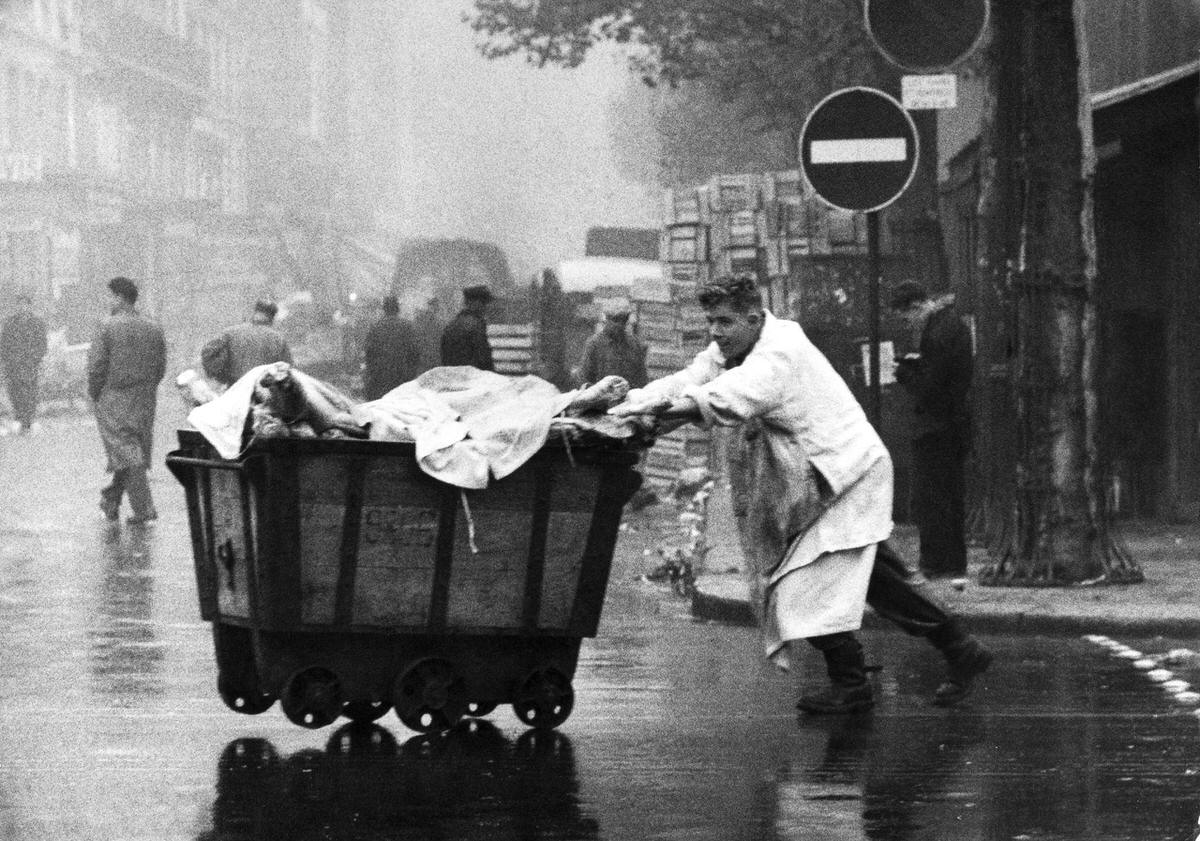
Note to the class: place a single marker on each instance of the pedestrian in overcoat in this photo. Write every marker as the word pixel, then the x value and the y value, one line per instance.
pixel 390 353
pixel 465 340
pixel 22 348
pixel 938 378
pixel 126 361
pixel 812 490
pixel 245 346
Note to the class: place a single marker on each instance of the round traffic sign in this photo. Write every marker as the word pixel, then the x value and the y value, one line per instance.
pixel 858 149
pixel 924 36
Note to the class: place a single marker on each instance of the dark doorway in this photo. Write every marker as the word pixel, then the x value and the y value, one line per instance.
pixel 1134 411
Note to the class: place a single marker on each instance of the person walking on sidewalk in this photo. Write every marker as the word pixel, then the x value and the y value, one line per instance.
pixel 22 348
pixel 938 379
pixel 126 361
pixel 245 346
pixel 812 484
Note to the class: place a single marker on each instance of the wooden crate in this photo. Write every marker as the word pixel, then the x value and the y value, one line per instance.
pixel 513 347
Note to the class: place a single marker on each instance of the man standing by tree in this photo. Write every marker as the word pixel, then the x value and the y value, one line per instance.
pixel 127 359
pixel 938 379
pixel 613 350
pixel 465 340
pixel 390 355
pixel 245 346
pixel 22 348
pixel 812 484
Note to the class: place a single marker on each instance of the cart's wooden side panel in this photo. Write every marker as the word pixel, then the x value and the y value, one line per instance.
pixel 487 580
pixel 397 546
pixel 312 536
pixel 322 487
pixel 617 484
pixel 230 549
pixel 572 504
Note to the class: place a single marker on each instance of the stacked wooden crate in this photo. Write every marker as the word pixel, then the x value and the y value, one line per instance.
pixel 513 347
pixel 672 324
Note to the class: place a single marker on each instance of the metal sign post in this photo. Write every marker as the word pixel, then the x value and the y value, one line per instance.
pixel 876 392
pixel 858 150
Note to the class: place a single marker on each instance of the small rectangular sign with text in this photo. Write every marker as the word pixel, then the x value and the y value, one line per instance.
pixel 927 92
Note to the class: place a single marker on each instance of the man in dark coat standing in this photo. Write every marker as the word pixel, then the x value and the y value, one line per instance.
pixel 465 341
pixel 126 361
pixel 22 348
pixel 245 346
pixel 938 379
pixel 390 355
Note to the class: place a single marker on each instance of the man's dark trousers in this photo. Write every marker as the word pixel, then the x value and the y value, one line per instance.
pixel 894 595
pixel 938 501
pixel 23 394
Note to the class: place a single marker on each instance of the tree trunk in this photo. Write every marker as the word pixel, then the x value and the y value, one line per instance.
pixel 1041 251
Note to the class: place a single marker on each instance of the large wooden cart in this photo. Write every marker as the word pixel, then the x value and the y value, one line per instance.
pixel 340 579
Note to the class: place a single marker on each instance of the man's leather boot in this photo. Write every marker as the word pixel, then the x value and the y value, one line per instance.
pixel 849 691
pixel 140 499
pixel 966 660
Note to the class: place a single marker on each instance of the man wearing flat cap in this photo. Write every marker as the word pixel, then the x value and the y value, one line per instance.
pixel 245 346
pixel 613 350
pixel 465 341
pixel 126 360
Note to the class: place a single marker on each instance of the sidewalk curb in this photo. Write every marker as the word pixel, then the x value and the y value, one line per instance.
pixel 714 608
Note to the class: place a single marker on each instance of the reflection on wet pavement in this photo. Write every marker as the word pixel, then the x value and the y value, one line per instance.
pixel 125 655
pixel 470 783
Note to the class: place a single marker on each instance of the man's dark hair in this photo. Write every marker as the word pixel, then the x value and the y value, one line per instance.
pixel 391 305
pixel 267 308
pixel 739 291
pixel 124 287
pixel 906 294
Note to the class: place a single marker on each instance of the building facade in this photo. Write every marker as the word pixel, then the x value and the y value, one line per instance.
pixel 191 144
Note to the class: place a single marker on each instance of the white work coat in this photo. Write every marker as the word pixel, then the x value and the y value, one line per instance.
pixel 810 476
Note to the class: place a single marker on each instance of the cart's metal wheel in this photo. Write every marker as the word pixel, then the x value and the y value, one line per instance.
pixel 248 755
pixel 243 700
pixel 429 696
pixel 361 740
pixel 312 697
pixel 238 683
pixel 478 709
pixel 364 712
pixel 545 700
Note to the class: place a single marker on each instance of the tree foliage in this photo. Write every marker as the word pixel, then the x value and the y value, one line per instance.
pixel 678 138
pixel 775 58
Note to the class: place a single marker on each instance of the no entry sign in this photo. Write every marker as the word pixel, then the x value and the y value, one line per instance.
pixel 858 149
